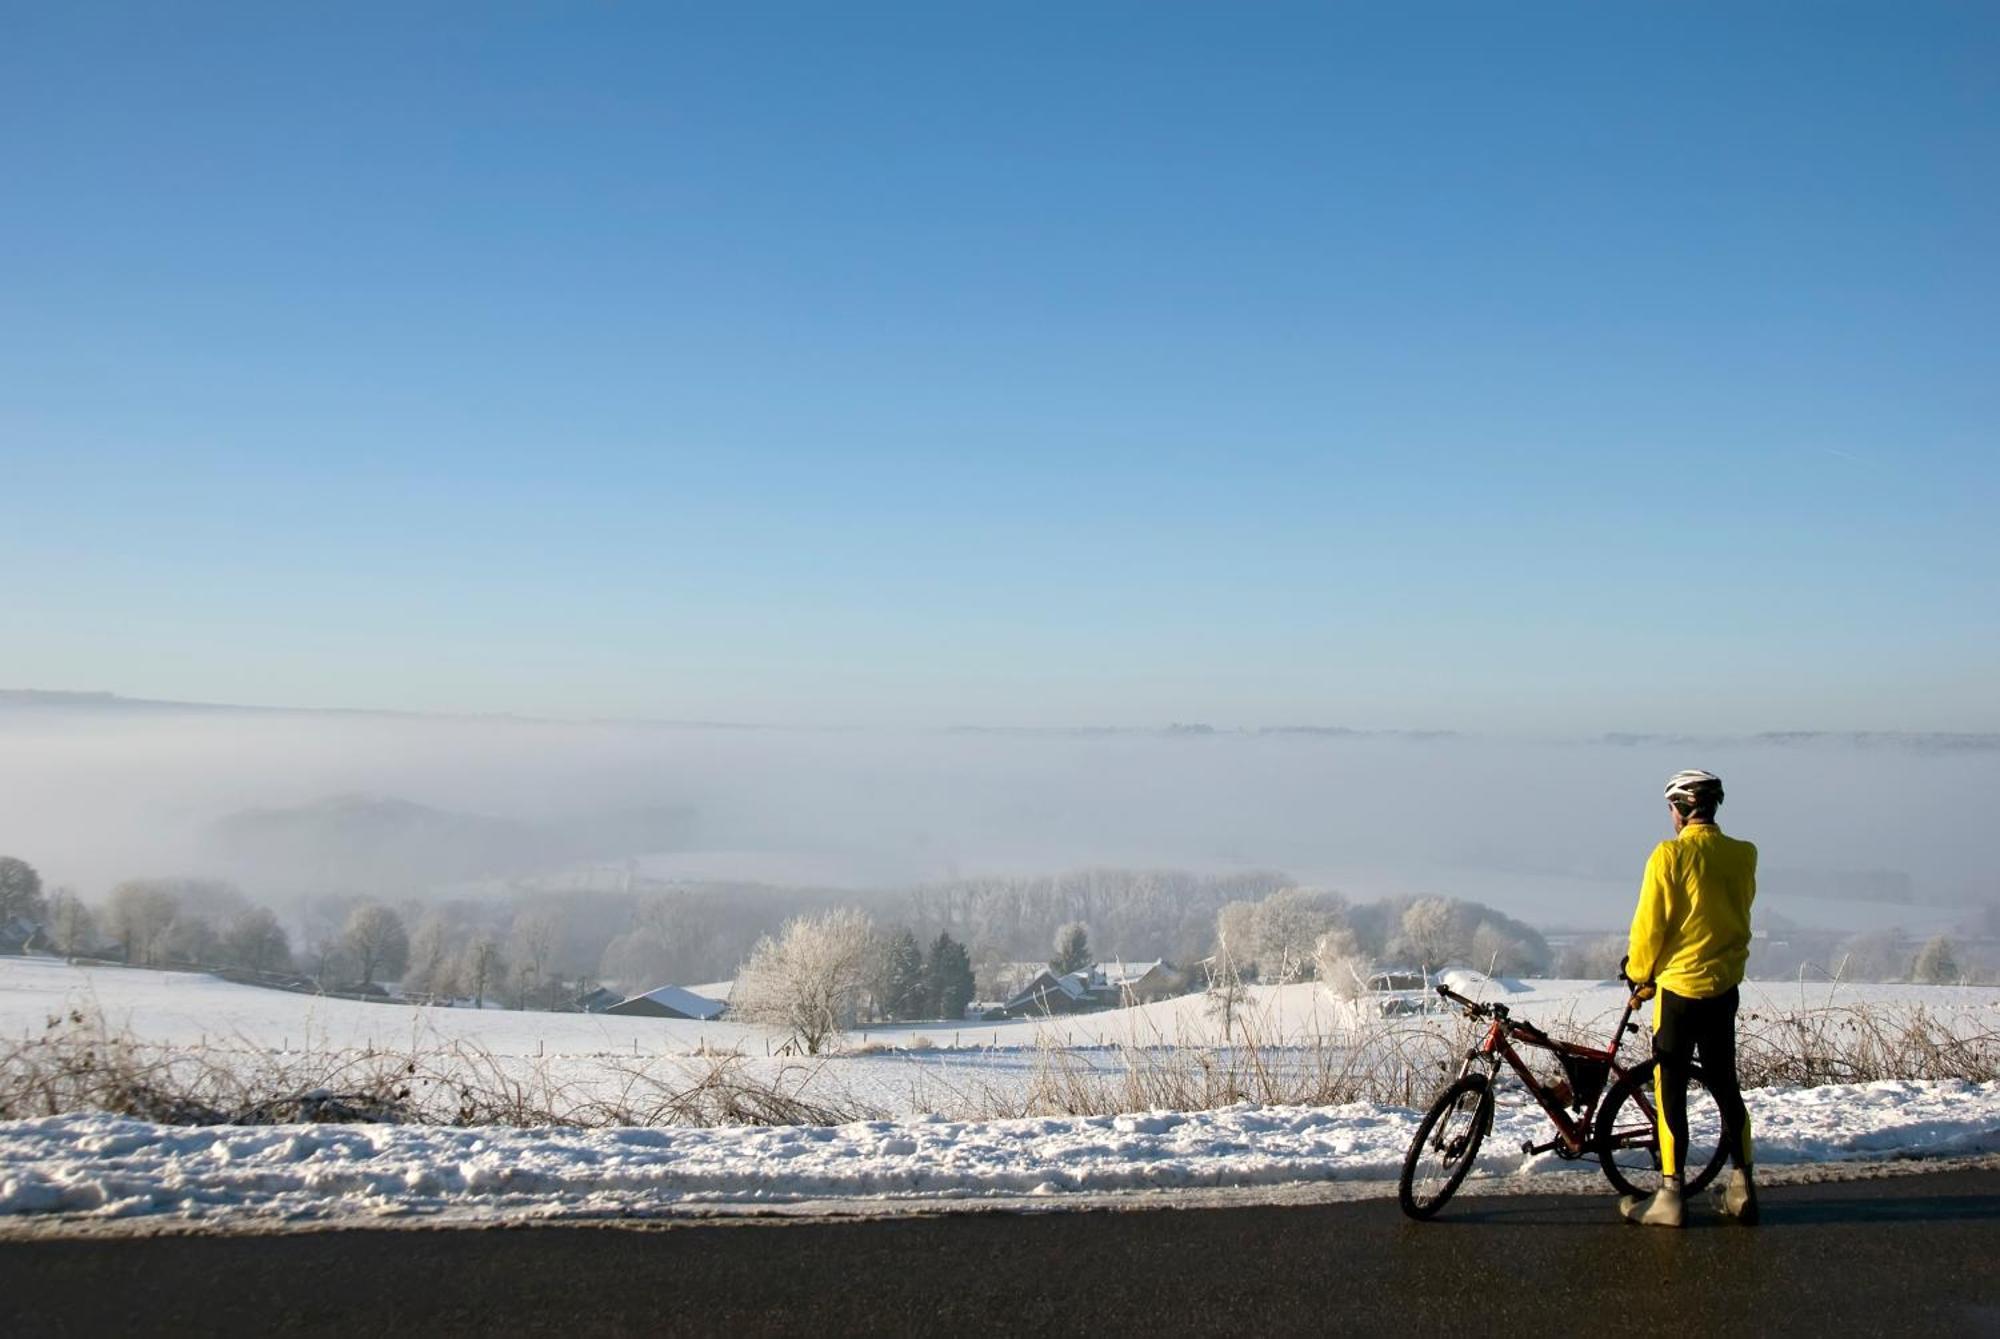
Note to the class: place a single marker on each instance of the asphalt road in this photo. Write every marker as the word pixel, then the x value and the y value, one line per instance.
pixel 1913 1254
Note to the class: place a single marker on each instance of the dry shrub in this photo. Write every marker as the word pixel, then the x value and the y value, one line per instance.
pixel 78 1064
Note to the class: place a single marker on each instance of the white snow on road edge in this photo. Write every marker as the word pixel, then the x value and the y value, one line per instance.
pixel 108 1167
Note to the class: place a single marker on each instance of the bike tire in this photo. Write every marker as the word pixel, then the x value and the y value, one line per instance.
pixel 1636 1132
pixel 1463 1136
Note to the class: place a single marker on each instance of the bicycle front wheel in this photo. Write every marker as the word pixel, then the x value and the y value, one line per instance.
pixel 1628 1134
pixel 1447 1141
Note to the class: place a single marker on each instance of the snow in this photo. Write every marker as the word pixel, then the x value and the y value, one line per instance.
pixel 187 1009
pixel 106 1167
pixel 102 1166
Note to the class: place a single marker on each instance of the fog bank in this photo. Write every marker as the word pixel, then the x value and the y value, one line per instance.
pixel 1554 831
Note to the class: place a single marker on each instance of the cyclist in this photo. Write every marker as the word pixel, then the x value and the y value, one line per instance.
pixel 1690 940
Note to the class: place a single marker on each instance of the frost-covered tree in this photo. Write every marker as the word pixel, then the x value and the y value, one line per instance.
pixel 537 938
pixel 20 891
pixel 140 913
pixel 1592 960
pixel 1226 993
pixel 72 926
pixel 1072 949
pixel 808 978
pixel 1236 938
pixel 638 959
pixel 430 966
pixel 376 942
pixel 257 941
pixel 1427 933
pixel 1288 924
pixel 1342 967
pixel 481 967
pixel 1494 951
pixel 1936 964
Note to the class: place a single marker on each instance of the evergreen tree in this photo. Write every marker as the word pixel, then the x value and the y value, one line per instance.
pixel 1072 949
pixel 948 975
pixel 905 991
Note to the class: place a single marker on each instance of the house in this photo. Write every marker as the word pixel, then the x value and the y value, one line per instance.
pixel 1104 985
pixel 21 935
pixel 1141 982
pixel 668 1002
pixel 1048 993
pixel 597 1001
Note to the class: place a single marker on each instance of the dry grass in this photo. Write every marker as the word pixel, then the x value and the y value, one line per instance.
pixel 78 1064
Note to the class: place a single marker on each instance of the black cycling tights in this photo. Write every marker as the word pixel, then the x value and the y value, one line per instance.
pixel 1685 1027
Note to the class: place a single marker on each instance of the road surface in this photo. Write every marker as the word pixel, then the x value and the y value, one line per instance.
pixel 1910 1254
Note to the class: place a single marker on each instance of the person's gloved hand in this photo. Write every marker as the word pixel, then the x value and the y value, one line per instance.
pixel 1642 991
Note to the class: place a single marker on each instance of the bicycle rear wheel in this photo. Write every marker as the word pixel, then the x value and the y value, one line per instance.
pixel 1447 1142
pixel 1628 1135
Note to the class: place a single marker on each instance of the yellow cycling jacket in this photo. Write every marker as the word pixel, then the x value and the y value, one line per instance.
pixel 1691 932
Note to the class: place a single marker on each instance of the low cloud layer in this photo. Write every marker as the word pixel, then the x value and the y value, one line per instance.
pixel 95 792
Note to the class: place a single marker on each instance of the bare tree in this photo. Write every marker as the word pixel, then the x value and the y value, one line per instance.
pixel 1236 938
pixel 537 937
pixel 1873 955
pixel 1226 992
pixel 808 979
pixel 140 914
pixel 20 891
pixel 376 941
pixel 72 927
pixel 639 959
pixel 480 965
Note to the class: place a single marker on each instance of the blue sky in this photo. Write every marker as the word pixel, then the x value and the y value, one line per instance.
pixel 1493 367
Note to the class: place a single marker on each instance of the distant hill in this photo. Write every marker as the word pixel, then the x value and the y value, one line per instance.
pixel 1920 741
pixel 383 843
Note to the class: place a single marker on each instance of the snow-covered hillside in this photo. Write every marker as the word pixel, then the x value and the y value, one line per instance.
pixel 185 1008
pixel 101 1165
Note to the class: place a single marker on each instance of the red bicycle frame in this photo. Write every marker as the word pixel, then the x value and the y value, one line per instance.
pixel 1497 1045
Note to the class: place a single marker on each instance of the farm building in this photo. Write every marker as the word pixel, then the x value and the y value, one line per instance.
pixel 1104 985
pixel 669 1002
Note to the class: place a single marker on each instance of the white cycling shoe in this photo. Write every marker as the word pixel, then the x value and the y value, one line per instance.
pixel 1662 1208
pixel 1739 1197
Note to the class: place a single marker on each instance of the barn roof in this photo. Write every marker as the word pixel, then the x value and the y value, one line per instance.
pixel 681 1000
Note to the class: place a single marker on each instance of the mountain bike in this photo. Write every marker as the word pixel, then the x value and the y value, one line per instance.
pixel 1621 1130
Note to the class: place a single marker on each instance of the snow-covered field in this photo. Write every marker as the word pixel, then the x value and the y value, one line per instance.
pixel 190 1009
pixel 104 1166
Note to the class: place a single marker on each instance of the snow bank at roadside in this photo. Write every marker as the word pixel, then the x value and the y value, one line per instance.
pixel 106 1167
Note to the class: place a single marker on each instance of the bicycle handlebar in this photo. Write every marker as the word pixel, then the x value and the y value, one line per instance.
pixel 1474 1008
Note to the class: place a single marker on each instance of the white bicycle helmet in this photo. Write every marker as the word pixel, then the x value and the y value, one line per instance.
pixel 1694 790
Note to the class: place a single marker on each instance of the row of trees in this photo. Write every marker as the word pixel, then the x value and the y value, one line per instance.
pixel 212 924
pixel 822 974
pixel 1294 932
pixel 1875 955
